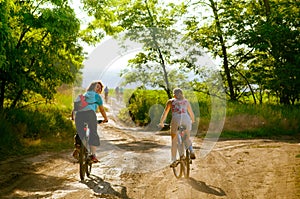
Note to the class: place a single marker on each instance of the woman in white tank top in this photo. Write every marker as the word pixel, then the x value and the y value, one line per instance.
pixel 182 114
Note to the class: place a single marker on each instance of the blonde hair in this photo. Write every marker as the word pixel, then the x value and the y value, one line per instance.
pixel 178 93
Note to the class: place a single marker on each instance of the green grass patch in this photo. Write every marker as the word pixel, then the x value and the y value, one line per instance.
pixel 36 129
pixel 243 121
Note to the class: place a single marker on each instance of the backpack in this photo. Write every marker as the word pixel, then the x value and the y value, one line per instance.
pixel 80 103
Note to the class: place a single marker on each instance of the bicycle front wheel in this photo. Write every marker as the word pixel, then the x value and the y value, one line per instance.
pixel 178 169
pixel 88 166
pixel 187 164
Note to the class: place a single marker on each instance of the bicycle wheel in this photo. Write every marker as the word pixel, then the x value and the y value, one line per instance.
pixel 88 165
pixel 187 164
pixel 82 162
pixel 178 169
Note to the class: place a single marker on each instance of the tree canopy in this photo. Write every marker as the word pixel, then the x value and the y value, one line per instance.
pixel 39 50
pixel 257 42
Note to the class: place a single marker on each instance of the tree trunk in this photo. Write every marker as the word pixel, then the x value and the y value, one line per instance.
pixel 2 89
pixel 162 61
pixel 224 52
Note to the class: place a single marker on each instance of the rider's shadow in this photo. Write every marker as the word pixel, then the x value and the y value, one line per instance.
pixel 104 189
pixel 203 187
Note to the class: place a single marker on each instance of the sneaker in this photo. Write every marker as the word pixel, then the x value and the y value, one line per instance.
pixel 192 155
pixel 173 164
pixel 94 159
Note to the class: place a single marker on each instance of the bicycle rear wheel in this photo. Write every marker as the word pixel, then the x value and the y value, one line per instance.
pixel 82 161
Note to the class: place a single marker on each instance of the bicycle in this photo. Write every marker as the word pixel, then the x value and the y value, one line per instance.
pixel 182 164
pixel 85 162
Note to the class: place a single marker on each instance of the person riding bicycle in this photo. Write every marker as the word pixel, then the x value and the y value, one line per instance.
pixel 88 115
pixel 182 114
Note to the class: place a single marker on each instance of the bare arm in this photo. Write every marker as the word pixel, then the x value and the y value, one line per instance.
pixel 191 113
pixel 165 113
pixel 103 113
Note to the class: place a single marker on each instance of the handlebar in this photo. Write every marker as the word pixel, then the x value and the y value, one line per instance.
pixel 102 121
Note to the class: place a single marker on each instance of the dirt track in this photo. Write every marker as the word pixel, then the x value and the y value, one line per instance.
pixel 134 164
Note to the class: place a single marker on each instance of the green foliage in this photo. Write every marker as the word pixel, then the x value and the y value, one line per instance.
pixel 149 23
pixel 141 101
pixel 41 50
pixel 258 40
pixel 139 104
pixel 242 120
pixel 41 128
pixel 10 140
pixel 251 121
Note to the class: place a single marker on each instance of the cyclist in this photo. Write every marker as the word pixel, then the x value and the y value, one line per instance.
pixel 182 114
pixel 88 115
pixel 106 90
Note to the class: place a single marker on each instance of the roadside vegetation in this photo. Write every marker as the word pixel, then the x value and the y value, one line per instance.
pixel 35 129
pixel 243 120
pixel 48 127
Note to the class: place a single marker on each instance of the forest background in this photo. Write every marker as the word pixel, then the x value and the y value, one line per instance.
pixel 42 54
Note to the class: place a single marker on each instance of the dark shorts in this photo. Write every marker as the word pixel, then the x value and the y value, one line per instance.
pixel 90 118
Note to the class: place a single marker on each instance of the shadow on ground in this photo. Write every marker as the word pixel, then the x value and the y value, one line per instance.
pixel 203 187
pixel 104 189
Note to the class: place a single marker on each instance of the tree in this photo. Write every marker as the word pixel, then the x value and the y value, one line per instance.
pixel 41 49
pixel 258 42
pixel 213 37
pixel 150 23
pixel 273 31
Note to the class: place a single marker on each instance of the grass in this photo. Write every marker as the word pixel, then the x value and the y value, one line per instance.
pixel 37 129
pixel 248 121
pixel 243 121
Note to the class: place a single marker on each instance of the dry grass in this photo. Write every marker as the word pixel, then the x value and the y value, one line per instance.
pixel 244 122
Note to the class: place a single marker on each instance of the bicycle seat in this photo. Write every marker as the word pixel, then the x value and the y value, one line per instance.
pixel 181 127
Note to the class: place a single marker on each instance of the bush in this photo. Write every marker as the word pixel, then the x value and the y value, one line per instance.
pixel 30 131
pixel 139 104
pixel 242 120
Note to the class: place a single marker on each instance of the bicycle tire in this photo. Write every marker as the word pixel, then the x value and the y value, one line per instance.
pixel 82 162
pixel 88 165
pixel 187 164
pixel 178 169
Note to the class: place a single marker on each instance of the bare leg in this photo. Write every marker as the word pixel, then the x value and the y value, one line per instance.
pixel 174 146
pixel 93 149
pixel 187 141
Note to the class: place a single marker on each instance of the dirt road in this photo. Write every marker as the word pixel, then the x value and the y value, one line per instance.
pixel 134 164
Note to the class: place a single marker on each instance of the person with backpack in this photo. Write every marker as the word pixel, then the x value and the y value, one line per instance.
pixel 182 114
pixel 87 114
